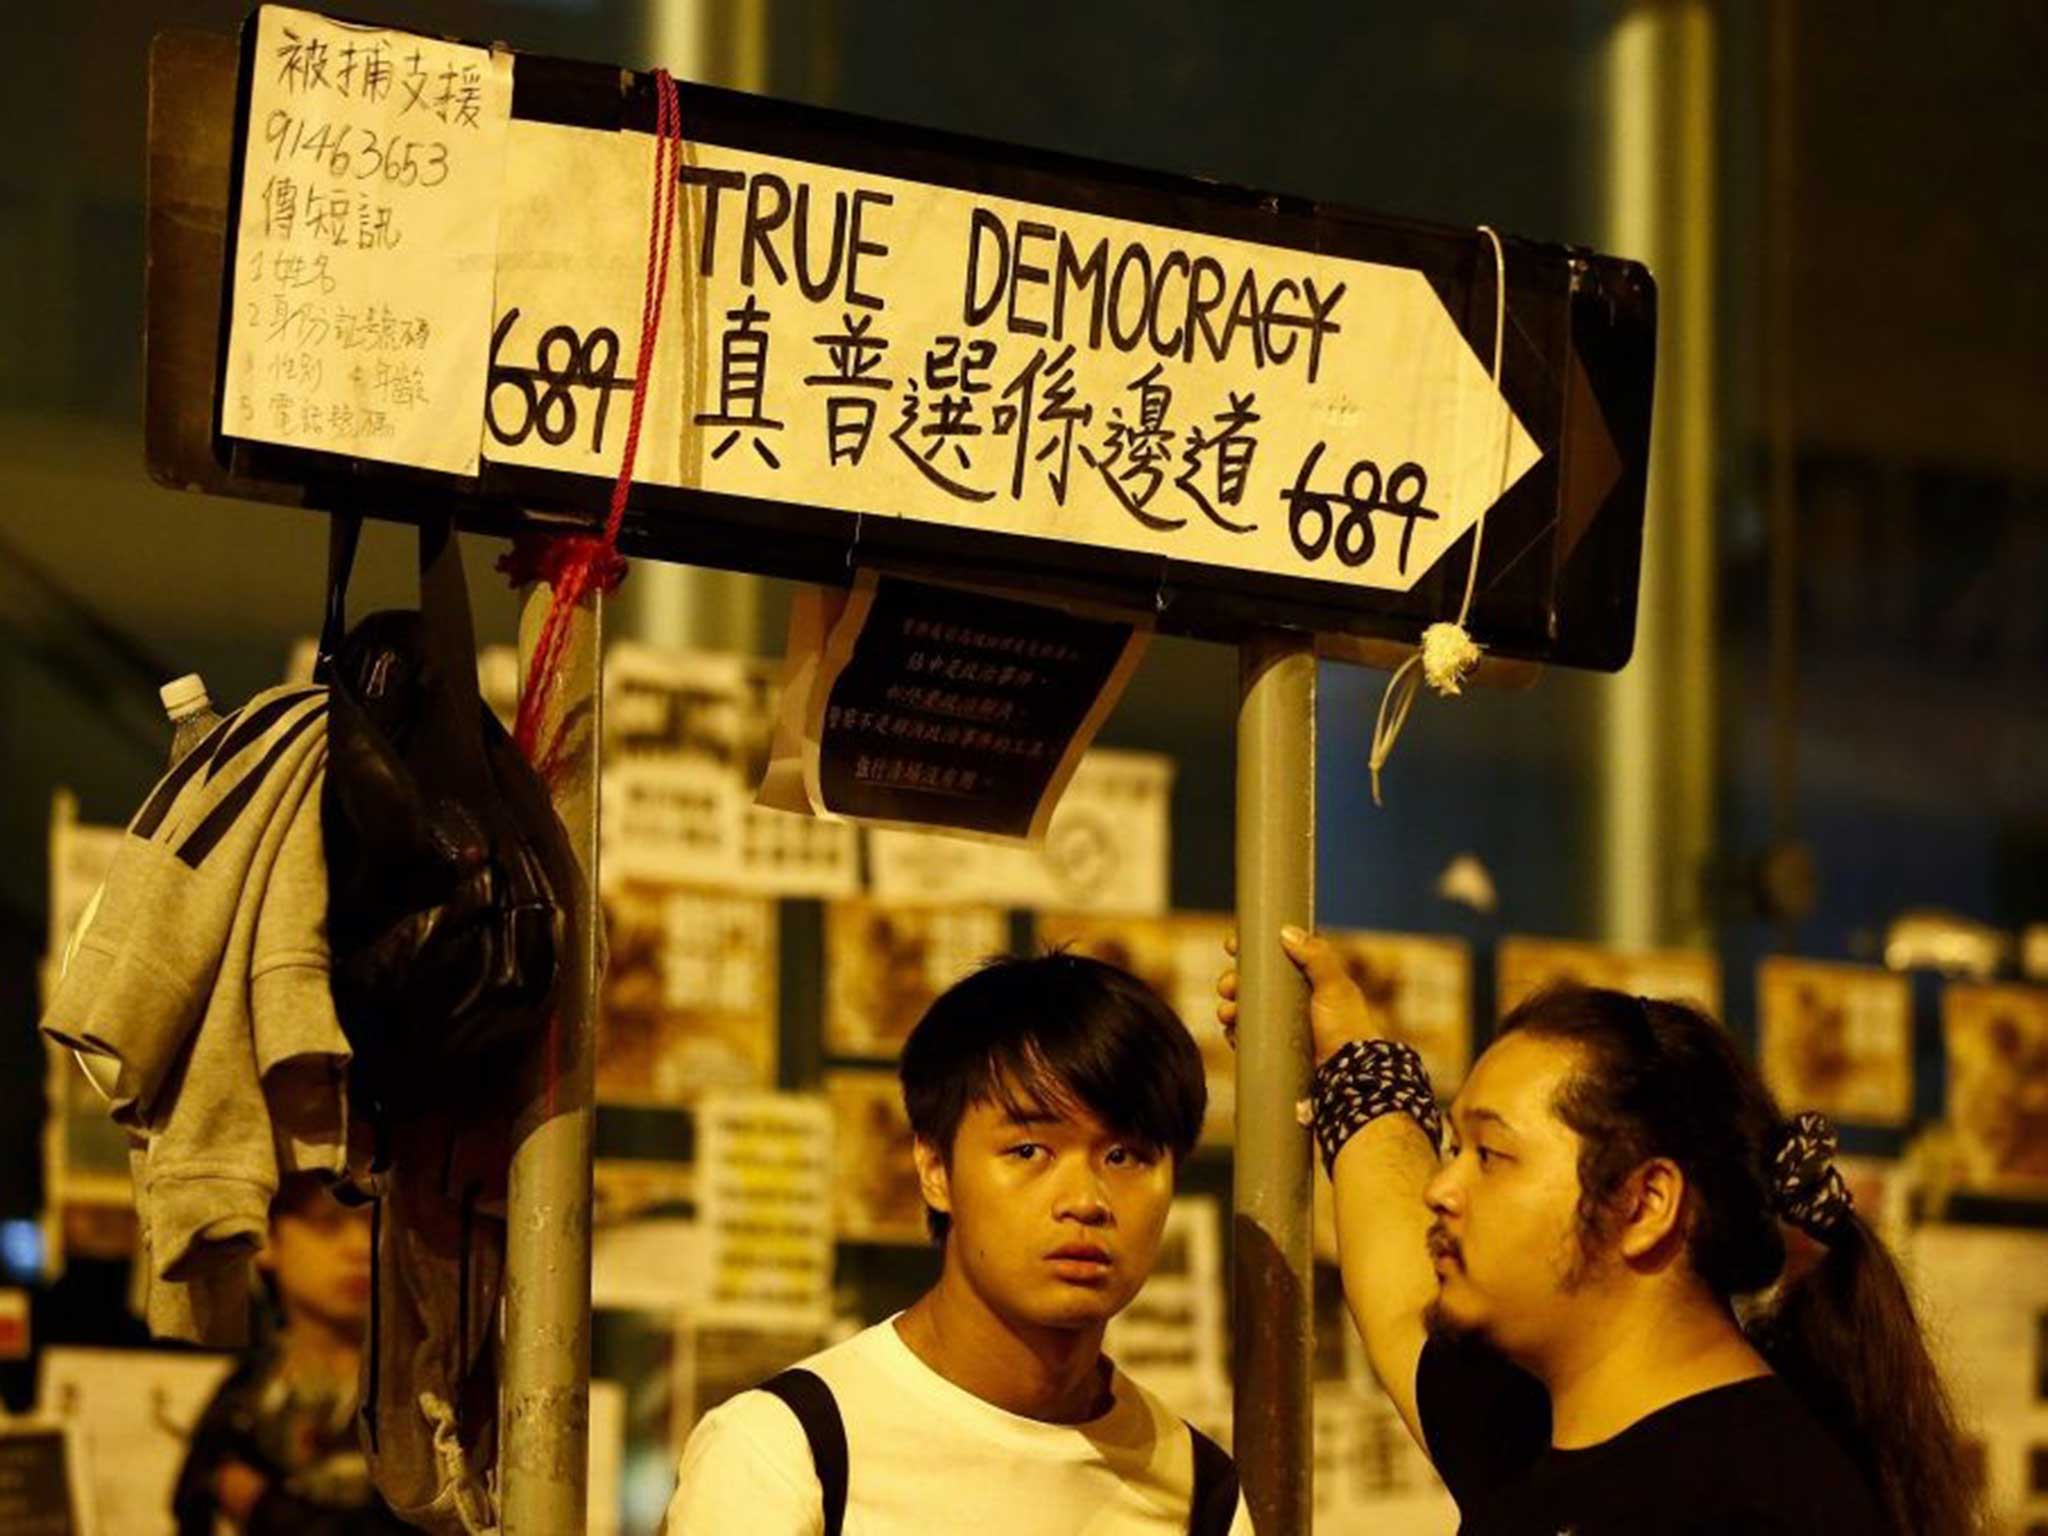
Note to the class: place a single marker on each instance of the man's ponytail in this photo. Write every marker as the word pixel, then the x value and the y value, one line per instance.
pixel 1841 1332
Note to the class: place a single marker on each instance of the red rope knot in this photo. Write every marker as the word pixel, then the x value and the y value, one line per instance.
pixel 573 565
pixel 563 560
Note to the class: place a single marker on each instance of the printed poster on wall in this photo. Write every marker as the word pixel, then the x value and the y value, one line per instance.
pixel 885 965
pixel 875 1191
pixel 688 1000
pixel 1107 848
pixel 765 1205
pixel 1837 1039
pixel 1685 975
pixel 1997 1039
pixel 687 737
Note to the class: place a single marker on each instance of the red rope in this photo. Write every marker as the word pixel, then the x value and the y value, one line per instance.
pixel 573 566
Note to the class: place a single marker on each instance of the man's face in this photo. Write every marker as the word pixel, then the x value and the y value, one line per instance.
pixel 1505 1239
pixel 320 1257
pixel 1056 1218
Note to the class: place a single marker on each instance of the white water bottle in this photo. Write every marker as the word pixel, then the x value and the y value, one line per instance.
pixel 190 707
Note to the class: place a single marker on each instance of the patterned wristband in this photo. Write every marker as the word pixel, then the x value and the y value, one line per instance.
pixel 1364 1079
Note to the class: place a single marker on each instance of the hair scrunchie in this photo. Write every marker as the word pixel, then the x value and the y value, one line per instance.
pixel 1806 1186
pixel 1364 1079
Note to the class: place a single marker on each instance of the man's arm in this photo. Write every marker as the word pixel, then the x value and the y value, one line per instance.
pixel 1383 1252
pixel 747 1467
pixel 1380 1176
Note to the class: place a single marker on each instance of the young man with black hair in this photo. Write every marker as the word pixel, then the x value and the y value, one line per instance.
pixel 1053 1100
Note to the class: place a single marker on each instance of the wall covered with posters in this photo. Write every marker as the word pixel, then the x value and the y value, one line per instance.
pixel 755 1194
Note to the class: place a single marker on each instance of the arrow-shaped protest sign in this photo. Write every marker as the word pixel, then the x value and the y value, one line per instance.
pixel 900 349
pixel 1227 408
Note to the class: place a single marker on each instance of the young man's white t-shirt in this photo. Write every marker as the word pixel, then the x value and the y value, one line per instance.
pixel 926 1456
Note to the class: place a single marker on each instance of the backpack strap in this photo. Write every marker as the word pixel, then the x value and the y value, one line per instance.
pixel 343 530
pixel 453 708
pixel 807 1396
pixel 1214 1505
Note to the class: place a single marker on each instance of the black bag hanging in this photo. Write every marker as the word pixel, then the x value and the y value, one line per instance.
pixel 451 885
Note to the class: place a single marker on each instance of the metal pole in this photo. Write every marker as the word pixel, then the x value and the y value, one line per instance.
pixel 545 1453
pixel 1272 1260
pixel 1658 752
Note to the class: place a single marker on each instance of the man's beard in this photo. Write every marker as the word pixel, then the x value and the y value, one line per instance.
pixel 1442 1328
pixel 1436 1319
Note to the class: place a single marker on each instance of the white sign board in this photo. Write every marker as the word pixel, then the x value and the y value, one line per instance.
pixel 900 349
pixel 847 339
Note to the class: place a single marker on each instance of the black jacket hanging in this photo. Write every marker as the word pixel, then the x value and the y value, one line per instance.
pixel 451 882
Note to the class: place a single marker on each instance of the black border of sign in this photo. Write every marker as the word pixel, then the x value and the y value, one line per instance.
pixel 1547 592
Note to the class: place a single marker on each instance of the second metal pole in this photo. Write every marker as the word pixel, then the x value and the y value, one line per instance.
pixel 1272 1257
pixel 545 1428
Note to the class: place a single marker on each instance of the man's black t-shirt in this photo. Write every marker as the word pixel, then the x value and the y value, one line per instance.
pixel 1742 1458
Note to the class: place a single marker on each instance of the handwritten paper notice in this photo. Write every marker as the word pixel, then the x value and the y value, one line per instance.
pixel 367 242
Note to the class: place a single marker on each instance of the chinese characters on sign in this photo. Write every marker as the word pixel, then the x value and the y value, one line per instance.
pixel 366 242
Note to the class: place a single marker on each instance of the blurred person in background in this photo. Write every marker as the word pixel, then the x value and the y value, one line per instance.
pixel 275 1453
